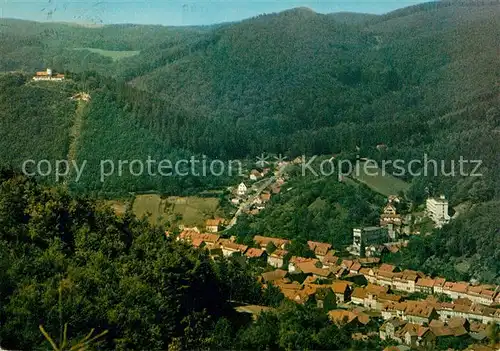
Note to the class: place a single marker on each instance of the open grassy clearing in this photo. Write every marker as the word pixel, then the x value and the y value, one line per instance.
pixel 114 55
pixel 148 205
pixel 192 210
pixel 384 184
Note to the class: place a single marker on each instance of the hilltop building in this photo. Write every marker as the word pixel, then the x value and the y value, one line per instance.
pixel 48 75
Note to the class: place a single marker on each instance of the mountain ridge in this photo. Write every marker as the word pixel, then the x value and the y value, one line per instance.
pixel 290 83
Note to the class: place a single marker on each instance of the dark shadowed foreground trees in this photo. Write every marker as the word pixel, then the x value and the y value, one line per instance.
pixel 116 274
pixel 66 260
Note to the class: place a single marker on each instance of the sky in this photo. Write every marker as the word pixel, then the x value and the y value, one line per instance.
pixel 178 12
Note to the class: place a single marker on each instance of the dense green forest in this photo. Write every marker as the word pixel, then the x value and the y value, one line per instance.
pixel 67 260
pixel 421 80
pixel 467 248
pixel 314 209
pixel 39 126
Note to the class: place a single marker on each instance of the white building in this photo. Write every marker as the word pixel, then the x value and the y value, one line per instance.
pixel 363 237
pixel 276 259
pixel 242 189
pixel 437 210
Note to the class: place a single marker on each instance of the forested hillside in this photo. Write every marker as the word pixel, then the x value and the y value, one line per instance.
pixel 29 46
pixel 323 209
pixel 70 261
pixel 468 248
pixel 420 80
pixel 34 120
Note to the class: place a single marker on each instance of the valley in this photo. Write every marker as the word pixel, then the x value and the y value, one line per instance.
pixel 295 249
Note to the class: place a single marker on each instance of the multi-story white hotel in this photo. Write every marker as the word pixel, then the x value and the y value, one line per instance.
pixel 437 210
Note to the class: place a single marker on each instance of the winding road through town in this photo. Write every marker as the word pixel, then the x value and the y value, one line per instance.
pixel 257 189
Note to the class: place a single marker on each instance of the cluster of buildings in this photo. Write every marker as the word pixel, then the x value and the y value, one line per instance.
pixel 361 290
pixel 349 288
pixel 325 265
pixel 386 292
pixel 374 240
pixel 218 246
pixel 413 323
pixel 409 281
pixel 259 201
pixel 48 75
pixel 277 258
pixel 414 334
pixel 254 204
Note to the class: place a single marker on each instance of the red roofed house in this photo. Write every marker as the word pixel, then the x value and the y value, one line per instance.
pixel 384 267
pixel 481 294
pixel 48 76
pixel 370 274
pixel 255 254
pixel 419 312
pixel 439 285
pixel 276 259
pixel 272 276
pixel 406 280
pixel 213 225
pixel 263 241
pixel 312 266
pixel 295 263
pixel 319 249
pixel 358 296
pixel 384 278
pixel 417 335
pixel 347 264
pixel 342 291
pixel 192 236
pixel 344 317
pixel 425 285
pixel 355 268
pixel 198 243
pixel 455 290
pixel 229 248
pixel 329 260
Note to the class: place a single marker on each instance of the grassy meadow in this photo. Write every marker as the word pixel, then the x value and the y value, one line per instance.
pixel 384 184
pixel 191 210
pixel 114 55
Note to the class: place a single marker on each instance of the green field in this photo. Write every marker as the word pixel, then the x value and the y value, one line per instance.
pixel 148 205
pixel 114 55
pixel 384 184
pixel 191 211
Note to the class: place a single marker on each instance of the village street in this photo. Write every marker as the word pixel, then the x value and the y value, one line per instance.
pixel 257 188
